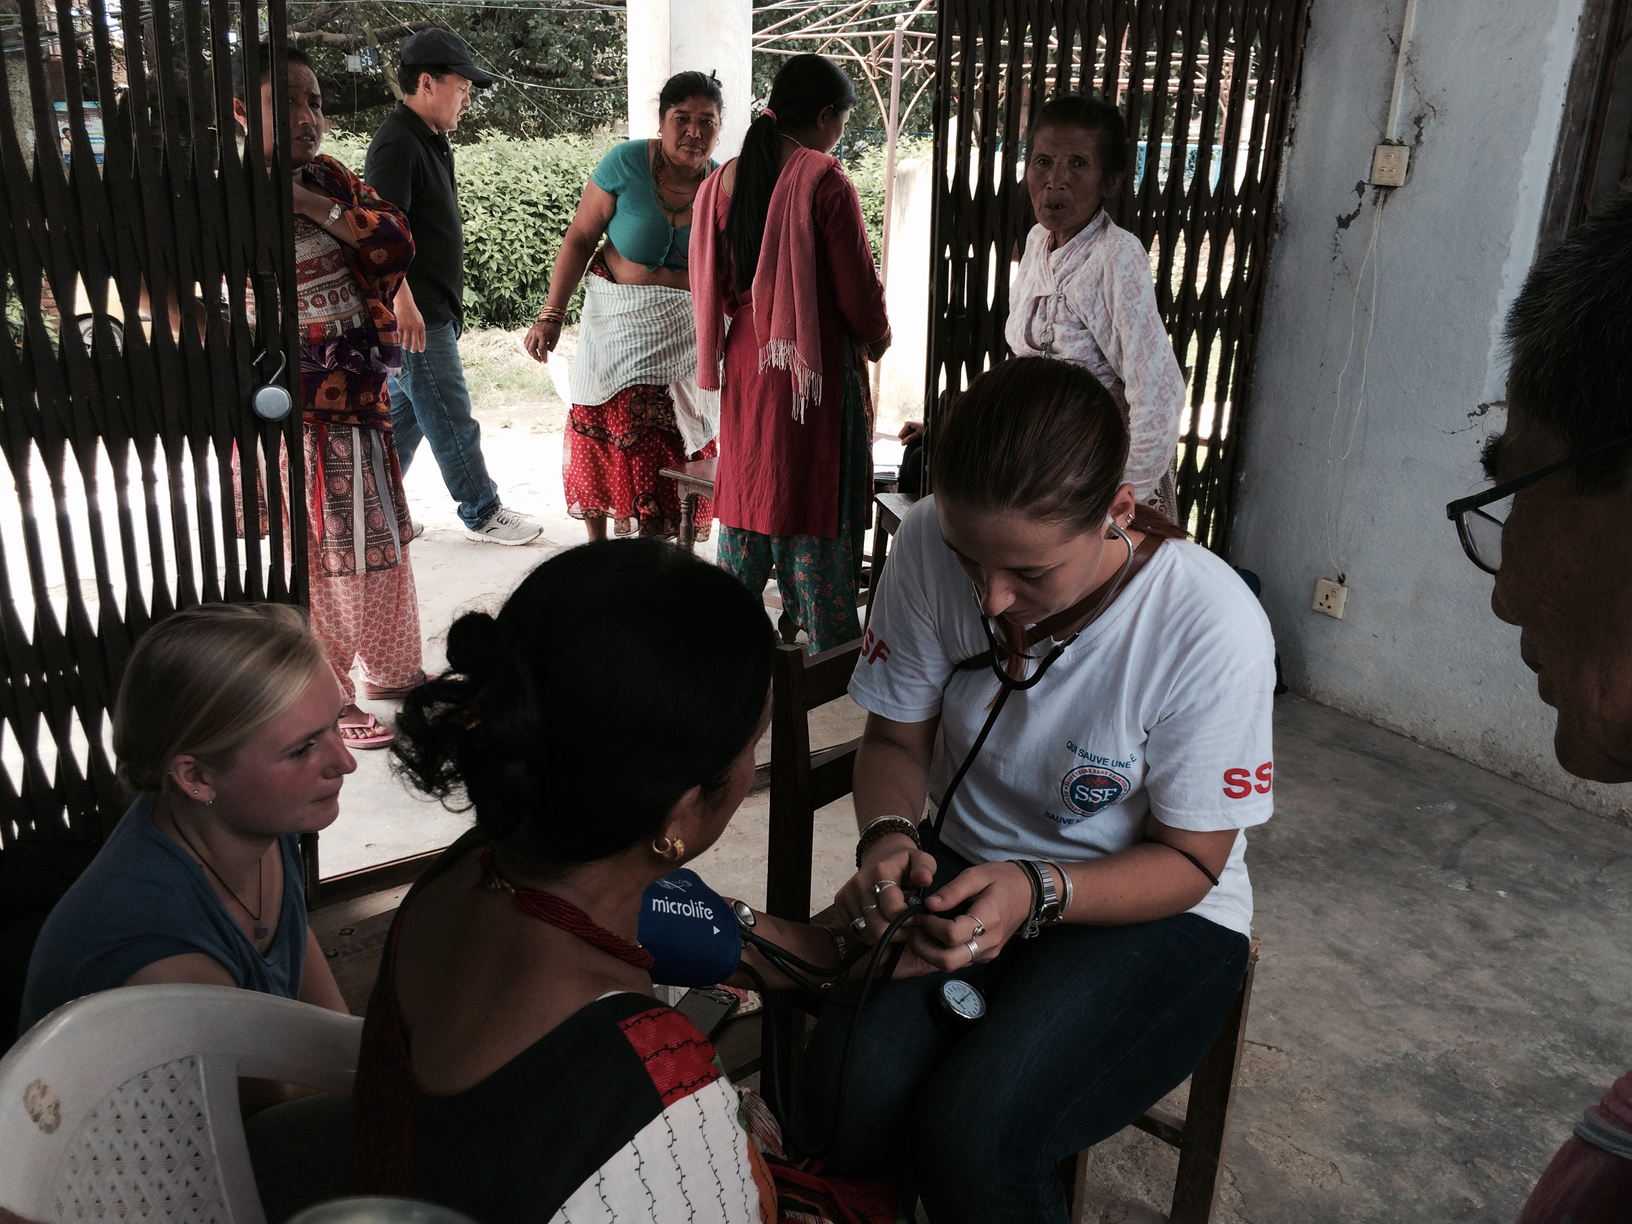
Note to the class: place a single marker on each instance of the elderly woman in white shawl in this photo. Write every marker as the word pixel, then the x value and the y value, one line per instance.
pixel 1084 293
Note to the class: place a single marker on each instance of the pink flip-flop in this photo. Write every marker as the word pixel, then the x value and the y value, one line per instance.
pixel 376 693
pixel 375 733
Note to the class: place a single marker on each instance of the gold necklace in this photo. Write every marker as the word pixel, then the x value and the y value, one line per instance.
pixel 657 186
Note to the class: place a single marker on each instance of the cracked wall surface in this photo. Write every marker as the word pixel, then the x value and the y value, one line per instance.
pixel 1353 449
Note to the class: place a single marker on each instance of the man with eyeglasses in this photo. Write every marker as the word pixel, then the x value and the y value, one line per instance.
pixel 1556 531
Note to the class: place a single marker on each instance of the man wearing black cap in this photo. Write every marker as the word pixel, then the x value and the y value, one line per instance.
pixel 410 163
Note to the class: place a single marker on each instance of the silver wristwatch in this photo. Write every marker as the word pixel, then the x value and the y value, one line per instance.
pixel 335 214
pixel 1046 909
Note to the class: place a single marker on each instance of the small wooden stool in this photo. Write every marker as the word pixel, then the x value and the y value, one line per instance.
pixel 695 479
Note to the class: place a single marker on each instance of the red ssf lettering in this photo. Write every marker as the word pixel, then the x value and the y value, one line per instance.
pixel 1238 782
pixel 874 649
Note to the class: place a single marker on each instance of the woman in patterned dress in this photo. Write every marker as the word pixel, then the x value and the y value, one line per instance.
pixel 352 250
pixel 636 407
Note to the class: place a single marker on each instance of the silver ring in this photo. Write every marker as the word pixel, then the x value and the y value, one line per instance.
pixel 980 927
pixel 867 908
pixel 878 889
pixel 858 925
pixel 974 951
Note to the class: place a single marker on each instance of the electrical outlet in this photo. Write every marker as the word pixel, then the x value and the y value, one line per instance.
pixel 1330 597
pixel 1388 164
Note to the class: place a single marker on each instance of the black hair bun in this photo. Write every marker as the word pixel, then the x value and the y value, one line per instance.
pixel 476 647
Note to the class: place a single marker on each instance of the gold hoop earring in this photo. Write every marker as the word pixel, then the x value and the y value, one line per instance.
pixel 673 850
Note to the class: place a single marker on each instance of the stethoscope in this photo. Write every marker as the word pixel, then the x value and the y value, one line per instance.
pixel 1013 685
pixel 961 1002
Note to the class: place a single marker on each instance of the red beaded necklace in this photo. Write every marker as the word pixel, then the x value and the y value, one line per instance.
pixel 564 916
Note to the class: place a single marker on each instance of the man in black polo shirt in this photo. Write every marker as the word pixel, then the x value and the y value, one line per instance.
pixel 411 164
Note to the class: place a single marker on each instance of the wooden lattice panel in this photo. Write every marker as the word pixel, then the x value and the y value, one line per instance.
pixel 126 371
pixel 1207 91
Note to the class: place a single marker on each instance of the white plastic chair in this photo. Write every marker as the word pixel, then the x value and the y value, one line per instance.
pixel 124 1105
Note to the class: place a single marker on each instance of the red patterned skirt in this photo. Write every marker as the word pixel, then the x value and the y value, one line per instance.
pixel 611 458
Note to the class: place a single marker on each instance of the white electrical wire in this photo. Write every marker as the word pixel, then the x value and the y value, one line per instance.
pixel 1335 462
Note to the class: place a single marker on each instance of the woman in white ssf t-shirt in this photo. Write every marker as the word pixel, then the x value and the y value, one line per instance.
pixel 1103 814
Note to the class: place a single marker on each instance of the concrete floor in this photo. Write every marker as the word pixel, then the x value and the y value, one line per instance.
pixel 1447 956
pixel 379 819
pixel 1443 989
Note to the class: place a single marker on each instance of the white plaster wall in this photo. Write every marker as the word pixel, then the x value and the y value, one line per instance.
pixel 1419 650
pixel 670 36
pixel 906 294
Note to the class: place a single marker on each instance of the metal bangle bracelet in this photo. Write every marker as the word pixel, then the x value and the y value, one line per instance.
pixel 1065 887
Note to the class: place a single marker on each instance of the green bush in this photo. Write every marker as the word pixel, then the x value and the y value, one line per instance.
pixel 517 198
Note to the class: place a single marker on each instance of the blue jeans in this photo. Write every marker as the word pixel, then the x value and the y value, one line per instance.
pixel 429 400
pixel 1086 1028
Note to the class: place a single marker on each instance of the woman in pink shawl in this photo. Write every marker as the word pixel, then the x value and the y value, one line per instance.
pixel 780 247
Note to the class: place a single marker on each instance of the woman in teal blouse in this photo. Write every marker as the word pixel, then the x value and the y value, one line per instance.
pixel 636 408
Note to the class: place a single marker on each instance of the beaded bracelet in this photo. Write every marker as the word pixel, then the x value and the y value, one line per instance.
pixel 881 827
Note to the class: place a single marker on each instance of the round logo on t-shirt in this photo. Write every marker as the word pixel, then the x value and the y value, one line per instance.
pixel 1090 789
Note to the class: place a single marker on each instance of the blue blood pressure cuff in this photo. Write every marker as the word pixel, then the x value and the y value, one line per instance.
pixel 690 931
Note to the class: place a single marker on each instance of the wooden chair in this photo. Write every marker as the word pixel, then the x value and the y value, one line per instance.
pixel 1201 1134
pixel 888 511
pixel 803 781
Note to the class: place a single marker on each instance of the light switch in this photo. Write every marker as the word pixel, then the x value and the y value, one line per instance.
pixel 1388 163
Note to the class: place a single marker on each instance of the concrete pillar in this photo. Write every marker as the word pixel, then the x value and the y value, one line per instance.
pixel 670 36
pixel 906 294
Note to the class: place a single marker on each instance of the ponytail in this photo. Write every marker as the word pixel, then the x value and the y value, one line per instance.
pixel 805 87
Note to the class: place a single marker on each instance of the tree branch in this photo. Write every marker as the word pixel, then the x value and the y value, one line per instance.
pixel 317 18
pixel 350 42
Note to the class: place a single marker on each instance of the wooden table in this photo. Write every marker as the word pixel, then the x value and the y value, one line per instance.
pixel 695 479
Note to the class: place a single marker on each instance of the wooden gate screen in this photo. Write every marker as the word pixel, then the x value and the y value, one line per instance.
pixel 135 238
pixel 1207 89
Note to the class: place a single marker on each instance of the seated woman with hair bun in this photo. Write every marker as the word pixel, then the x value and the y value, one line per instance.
pixel 515 1064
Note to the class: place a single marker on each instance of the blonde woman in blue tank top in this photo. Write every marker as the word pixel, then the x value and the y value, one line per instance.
pixel 635 404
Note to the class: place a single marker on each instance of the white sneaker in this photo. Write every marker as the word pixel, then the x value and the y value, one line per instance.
pixel 505 527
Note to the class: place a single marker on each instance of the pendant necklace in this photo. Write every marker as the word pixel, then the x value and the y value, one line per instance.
pixel 260 927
